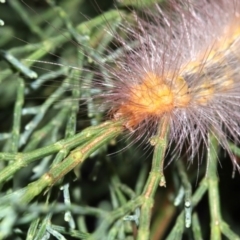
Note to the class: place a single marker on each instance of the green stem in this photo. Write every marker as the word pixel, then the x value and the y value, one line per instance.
pixel 178 229
pixel 156 178
pixel 196 228
pixel 112 216
pixel 213 191
pixel 24 159
pixel 17 116
pixel 187 192
pixel 75 158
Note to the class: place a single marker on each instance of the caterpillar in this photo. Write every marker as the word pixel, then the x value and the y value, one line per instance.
pixel 185 69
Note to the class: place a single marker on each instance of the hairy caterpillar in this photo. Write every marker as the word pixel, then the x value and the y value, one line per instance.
pixel 186 69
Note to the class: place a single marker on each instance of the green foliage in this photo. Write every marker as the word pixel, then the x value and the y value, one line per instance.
pixel 65 172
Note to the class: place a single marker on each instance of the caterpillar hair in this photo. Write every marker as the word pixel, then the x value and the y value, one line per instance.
pixel 185 68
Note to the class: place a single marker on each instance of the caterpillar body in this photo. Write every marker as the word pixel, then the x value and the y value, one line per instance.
pixel 186 68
